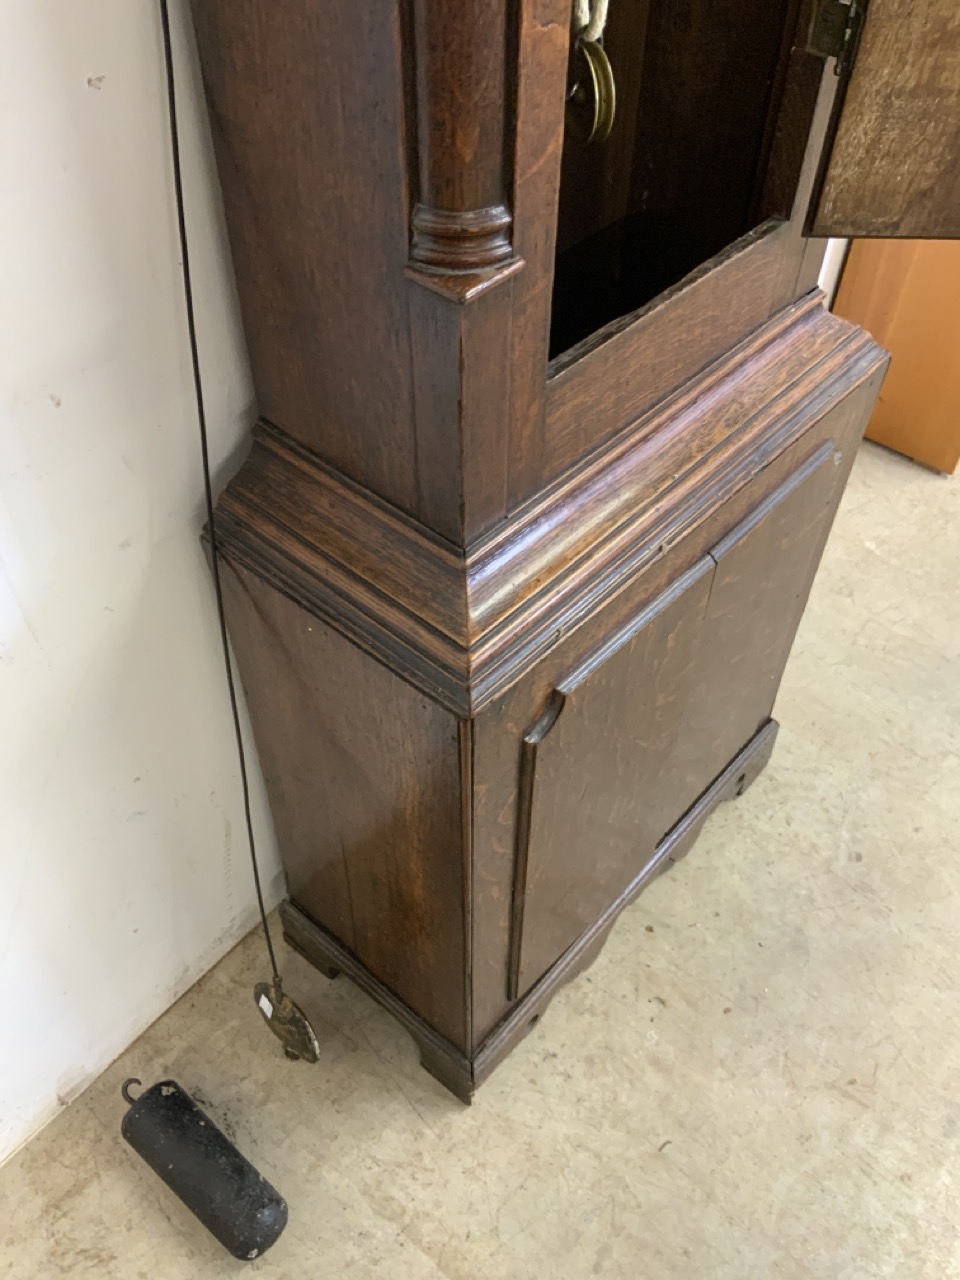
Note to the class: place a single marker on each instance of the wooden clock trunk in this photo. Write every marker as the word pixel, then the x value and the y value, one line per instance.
pixel 551 436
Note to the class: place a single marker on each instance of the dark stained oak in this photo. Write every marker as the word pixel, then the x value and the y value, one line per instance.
pixel 894 166
pixel 460 1073
pixel 647 721
pixel 322 290
pixel 595 790
pixel 549 441
pixel 463 626
pixel 674 337
pixel 501 727
pixel 664 344
pixel 461 219
pixel 363 773
pixel 348 740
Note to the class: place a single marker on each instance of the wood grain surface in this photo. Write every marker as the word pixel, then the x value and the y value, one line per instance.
pixel 363 774
pixel 464 626
pixel 510 628
pixel 894 168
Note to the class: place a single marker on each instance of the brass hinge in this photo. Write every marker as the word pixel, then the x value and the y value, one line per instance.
pixel 835 31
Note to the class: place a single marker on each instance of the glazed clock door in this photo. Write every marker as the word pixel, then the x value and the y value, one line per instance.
pixel 894 167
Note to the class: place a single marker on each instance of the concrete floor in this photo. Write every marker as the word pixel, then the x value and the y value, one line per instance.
pixel 759 1077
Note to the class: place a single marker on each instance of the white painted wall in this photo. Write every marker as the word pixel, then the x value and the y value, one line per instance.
pixel 123 869
pixel 832 268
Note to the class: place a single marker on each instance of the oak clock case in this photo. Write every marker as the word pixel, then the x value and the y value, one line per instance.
pixel 552 432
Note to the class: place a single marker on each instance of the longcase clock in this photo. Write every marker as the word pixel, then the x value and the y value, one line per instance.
pixel 553 426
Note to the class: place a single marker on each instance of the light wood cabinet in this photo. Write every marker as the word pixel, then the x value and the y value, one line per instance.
pixel 907 294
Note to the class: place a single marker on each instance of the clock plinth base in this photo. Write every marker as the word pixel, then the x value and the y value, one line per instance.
pixel 460 1074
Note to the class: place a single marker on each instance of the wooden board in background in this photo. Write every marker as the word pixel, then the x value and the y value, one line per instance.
pixel 907 294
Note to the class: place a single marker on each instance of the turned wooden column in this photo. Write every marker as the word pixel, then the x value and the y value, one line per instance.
pixel 462 219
